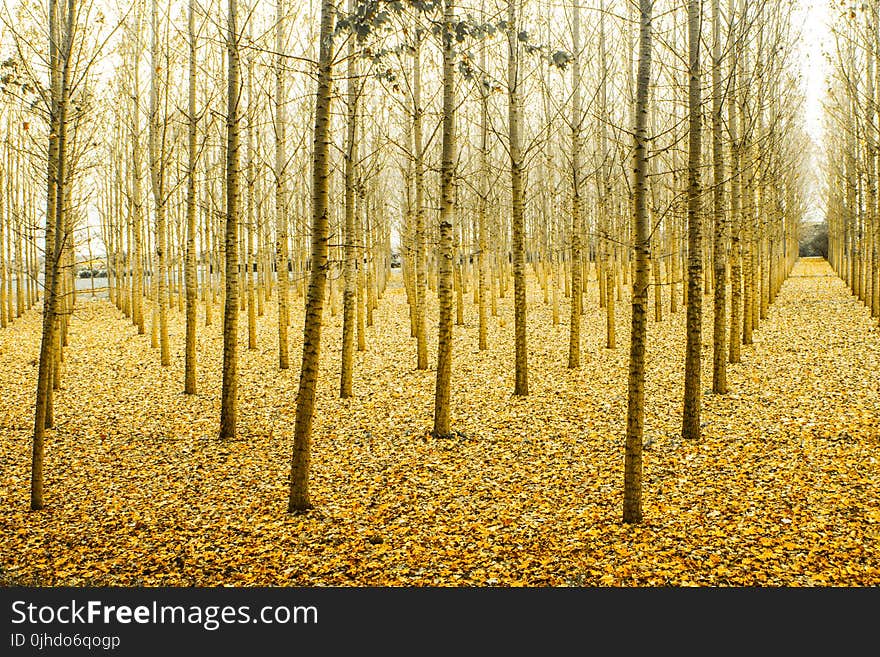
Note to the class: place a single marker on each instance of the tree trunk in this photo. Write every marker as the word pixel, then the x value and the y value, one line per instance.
pixel 483 182
pixel 514 120
pixel 299 500
pixel 719 246
pixel 359 269
pixel 632 500
pixel 420 282
pixel 229 391
pixel 733 119
pixel 134 261
pixel 59 71
pixel 189 385
pixel 349 295
pixel 157 179
pixel 574 342
pixel 691 414
pixel 281 237
pixel 605 191
pixel 249 227
pixel 445 252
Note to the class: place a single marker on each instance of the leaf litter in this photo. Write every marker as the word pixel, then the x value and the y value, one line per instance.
pixel 780 491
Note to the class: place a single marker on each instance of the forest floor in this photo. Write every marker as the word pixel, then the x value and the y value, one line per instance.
pixel 781 490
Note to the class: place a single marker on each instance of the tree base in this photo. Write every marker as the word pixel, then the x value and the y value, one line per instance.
pixel 299 509
pixel 448 436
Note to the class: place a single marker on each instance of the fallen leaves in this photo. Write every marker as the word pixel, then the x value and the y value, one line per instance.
pixel 780 491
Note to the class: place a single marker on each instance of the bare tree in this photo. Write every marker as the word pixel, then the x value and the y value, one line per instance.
pixel 692 393
pixel 299 500
pixel 229 398
pixel 635 423
pixel 445 251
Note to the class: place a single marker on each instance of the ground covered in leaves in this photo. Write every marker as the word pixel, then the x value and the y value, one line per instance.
pixel 781 490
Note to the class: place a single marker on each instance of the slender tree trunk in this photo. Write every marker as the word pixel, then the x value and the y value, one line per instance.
pixel 605 191
pixel 574 342
pixel 482 230
pixel 874 39
pixel 189 385
pixel 281 237
pixel 691 414
pixel 521 386
pixel 349 296
pixel 59 71
pixel 420 282
pixel 747 189
pixel 299 500
pixel 733 119
pixel 719 246
pixel 134 261
pixel 870 164
pixel 157 178
pixel 457 275
pixel 360 265
pixel 635 423
pixel 229 390
pixel 445 252
pixel 251 182
pixel 657 277
pixel 370 249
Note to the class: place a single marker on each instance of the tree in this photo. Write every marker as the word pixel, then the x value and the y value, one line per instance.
pixel 281 236
pixel 514 119
pixel 574 343
pixel 605 190
pixel 61 34
pixel 251 183
pixel 483 200
pixel 719 245
pixel 733 120
pixel 691 415
pixel 53 246
pixel 442 391
pixel 229 398
pixel 299 500
pixel 189 386
pixel 157 138
pixel 136 277
pixel 349 297
pixel 635 422
pixel 419 180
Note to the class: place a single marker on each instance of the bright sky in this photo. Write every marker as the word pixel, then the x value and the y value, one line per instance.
pixel 813 16
pixel 813 65
pixel 814 19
